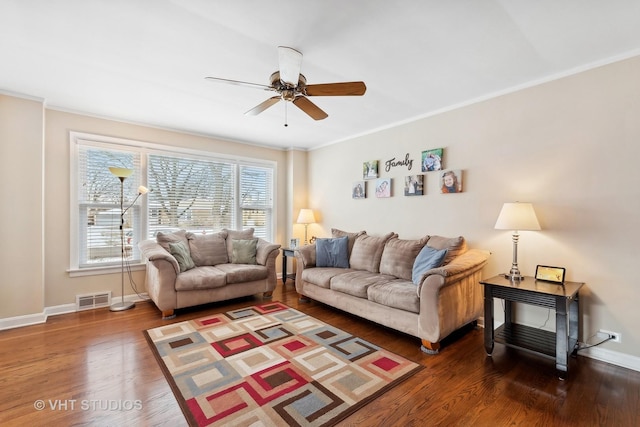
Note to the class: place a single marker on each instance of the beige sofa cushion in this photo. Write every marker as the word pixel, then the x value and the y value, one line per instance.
pixel 455 246
pixel 350 236
pixel 164 239
pixel 321 276
pixel 208 249
pixel 367 251
pixel 240 273
pixel 200 278
pixel 397 294
pixel 356 282
pixel 398 256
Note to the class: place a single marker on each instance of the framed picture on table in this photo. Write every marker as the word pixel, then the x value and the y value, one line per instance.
pixel 550 274
pixel 294 243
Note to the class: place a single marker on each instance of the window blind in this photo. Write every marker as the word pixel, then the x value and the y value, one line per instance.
pixel 99 206
pixel 191 194
pixel 256 199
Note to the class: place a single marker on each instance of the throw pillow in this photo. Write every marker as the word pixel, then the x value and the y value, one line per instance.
pixel 181 253
pixel 332 252
pixel 427 259
pixel 244 251
pixel 239 235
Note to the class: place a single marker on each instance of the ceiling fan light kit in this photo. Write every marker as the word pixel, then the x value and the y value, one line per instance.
pixel 291 86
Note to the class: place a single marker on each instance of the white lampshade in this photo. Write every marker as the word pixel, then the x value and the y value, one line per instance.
pixel 142 190
pixel 517 216
pixel 306 217
pixel 121 172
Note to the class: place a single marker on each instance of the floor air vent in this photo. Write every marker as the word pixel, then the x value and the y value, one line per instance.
pixel 91 301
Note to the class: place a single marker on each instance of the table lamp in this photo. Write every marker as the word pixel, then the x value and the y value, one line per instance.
pixel 516 216
pixel 306 217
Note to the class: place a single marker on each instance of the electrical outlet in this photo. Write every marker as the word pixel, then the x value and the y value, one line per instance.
pixel 604 334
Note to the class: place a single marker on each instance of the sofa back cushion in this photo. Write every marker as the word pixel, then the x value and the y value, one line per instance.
pixel 367 251
pixel 208 249
pixel 164 239
pixel 455 246
pixel 351 236
pixel 398 256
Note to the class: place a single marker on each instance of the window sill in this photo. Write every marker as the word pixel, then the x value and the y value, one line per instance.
pixel 95 271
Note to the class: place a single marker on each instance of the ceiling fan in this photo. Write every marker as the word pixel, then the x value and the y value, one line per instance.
pixel 292 86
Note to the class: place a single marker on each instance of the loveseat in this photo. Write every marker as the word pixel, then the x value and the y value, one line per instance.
pixel 427 287
pixel 185 269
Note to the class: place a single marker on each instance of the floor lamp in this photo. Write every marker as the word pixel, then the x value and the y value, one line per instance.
pixel 516 216
pixel 122 174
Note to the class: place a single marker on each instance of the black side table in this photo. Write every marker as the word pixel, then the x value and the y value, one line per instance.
pixel 563 298
pixel 286 252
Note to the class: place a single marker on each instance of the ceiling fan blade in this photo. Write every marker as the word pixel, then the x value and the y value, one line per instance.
pixel 290 61
pixel 263 106
pixel 239 83
pixel 336 89
pixel 310 108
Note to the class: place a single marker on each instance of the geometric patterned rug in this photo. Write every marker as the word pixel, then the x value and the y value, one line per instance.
pixel 271 365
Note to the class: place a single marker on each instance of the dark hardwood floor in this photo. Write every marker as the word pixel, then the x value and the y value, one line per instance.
pixel 95 368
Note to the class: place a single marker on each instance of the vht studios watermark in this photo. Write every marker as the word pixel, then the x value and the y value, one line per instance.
pixel 87 405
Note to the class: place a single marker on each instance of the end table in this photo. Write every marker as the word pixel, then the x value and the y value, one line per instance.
pixel 561 297
pixel 287 252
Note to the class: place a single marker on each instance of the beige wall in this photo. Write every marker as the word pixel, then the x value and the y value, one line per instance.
pixel 571 147
pixel 21 206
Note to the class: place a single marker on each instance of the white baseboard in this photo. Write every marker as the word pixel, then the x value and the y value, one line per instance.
pixel 37 318
pixel 615 358
pixel 19 321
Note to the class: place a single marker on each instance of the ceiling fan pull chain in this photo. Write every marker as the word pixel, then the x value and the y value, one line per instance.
pixel 285 115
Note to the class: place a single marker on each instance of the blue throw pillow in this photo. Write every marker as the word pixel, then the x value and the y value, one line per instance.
pixel 427 259
pixel 332 252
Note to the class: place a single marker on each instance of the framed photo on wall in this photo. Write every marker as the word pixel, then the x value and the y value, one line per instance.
pixel 414 185
pixel 383 187
pixel 370 169
pixel 451 181
pixel 359 190
pixel 432 160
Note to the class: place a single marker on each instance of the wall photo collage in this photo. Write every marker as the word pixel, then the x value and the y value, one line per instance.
pixel 450 180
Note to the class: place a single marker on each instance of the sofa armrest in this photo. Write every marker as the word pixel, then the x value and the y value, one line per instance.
pixel 306 256
pixel 152 251
pixel 264 250
pixel 461 266
pixel 451 295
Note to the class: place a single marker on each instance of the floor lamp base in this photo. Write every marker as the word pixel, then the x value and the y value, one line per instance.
pixel 121 306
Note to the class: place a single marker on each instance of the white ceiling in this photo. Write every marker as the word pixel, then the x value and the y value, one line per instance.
pixel 144 61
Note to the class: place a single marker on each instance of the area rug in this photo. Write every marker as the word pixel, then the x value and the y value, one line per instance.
pixel 271 365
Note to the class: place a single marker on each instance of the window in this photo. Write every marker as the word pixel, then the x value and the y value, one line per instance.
pixel 190 190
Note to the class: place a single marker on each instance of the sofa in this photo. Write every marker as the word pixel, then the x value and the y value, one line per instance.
pixel 186 269
pixel 427 287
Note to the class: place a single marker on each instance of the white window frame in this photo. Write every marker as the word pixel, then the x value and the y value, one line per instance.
pixel 77 139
